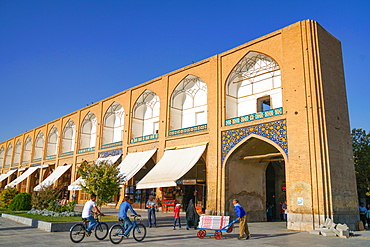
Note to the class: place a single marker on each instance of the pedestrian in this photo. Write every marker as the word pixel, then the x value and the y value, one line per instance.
pixel 192 217
pixel 362 210
pixel 87 213
pixel 122 214
pixel 242 217
pixel 151 204
pixel 368 216
pixel 177 216
pixel 285 209
pixel 74 196
pixel 269 212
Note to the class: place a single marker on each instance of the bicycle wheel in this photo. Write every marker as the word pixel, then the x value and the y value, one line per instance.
pixel 77 233
pixel 139 232
pixel 116 234
pixel 101 230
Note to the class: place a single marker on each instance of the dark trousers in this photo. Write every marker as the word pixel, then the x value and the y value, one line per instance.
pixel 175 221
pixel 363 219
pixel 151 217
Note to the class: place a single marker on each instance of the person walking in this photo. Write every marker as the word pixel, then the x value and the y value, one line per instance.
pixel 285 209
pixel 368 216
pixel 362 210
pixel 242 217
pixel 151 204
pixel 177 216
pixel 122 214
pixel 87 213
pixel 192 217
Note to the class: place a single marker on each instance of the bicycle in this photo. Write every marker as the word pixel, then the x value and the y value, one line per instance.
pixel 116 232
pixel 78 231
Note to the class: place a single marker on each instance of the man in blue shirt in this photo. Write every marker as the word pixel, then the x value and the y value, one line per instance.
pixel 242 217
pixel 122 214
pixel 362 210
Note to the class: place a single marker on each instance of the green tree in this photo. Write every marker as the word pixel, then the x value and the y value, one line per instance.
pixel 361 154
pixel 7 195
pixel 22 201
pixel 42 198
pixel 101 179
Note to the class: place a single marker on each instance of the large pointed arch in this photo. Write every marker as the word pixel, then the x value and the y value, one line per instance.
pixel 145 119
pixel 17 153
pixel 254 85
pixel 88 132
pixel 8 156
pixel 68 138
pixel 27 147
pixel 39 147
pixel 113 124
pixel 189 103
pixel 52 144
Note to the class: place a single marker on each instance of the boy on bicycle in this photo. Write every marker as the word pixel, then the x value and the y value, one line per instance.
pixel 122 214
pixel 87 213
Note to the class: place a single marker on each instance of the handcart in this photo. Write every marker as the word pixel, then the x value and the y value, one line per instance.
pixel 218 232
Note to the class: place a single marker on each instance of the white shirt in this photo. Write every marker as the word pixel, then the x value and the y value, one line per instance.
pixel 86 212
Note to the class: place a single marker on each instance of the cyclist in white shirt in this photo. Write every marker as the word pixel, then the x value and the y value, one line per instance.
pixel 87 213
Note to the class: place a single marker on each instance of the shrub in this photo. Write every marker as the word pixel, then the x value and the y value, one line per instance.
pixel 55 206
pixel 42 198
pixel 21 201
pixel 7 196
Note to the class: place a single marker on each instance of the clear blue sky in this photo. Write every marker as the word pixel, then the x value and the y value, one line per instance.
pixel 58 56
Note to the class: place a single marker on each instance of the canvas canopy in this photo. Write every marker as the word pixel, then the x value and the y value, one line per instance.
pixel 173 165
pixel 6 175
pixel 22 177
pixel 54 176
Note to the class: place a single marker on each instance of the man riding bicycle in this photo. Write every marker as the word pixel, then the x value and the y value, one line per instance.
pixel 122 214
pixel 87 213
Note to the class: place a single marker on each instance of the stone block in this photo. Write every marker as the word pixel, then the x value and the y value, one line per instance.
pixel 328 222
pixel 344 234
pixel 328 234
pixel 315 232
pixel 343 227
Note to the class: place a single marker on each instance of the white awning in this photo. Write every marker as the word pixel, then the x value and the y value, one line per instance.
pixel 22 177
pixel 6 175
pixel 173 165
pixel 76 185
pixel 59 171
pixel 133 162
pixel 110 159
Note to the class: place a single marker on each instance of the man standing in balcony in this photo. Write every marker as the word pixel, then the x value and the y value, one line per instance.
pixel 151 204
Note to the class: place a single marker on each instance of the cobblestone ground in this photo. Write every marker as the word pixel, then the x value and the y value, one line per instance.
pixel 263 234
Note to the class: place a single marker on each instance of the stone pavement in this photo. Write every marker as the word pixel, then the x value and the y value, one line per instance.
pixel 263 234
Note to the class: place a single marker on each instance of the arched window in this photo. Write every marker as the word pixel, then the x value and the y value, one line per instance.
pixel 253 86
pixel 52 145
pixel 88 131
pixel 8 156
pixel 68 139
pixel 189 103
pixel 146 114
pixel 1 157
pixel 17 153
pixel 27 151
pixel 113 124
pixel 39 147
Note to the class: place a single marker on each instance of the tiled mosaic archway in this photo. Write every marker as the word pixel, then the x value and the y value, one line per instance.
pixel 276 131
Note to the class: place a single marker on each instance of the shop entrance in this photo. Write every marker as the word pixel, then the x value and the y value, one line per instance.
pixel 255 175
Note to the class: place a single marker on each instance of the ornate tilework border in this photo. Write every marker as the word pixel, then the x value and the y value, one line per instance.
pixel 110 153
pixel 276 131
pixel 254 116
pixel 187 130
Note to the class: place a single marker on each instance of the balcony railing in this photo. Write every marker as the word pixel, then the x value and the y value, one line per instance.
pixel 49 157
pixel 86 150
pixel 65 154
pixel 254 116
pixel 144 138
pixel 187 130
pixel 36 160
pixel 15 164
pixel 26 162
pixel 111 145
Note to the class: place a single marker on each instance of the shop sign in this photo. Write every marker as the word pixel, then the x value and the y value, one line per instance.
pixel 189 181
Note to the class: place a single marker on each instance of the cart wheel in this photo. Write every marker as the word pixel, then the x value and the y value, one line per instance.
pixel 218 235
pixel 201 234
pixel 230 229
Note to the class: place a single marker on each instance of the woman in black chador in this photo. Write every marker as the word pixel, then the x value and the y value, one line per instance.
pixel 192 217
